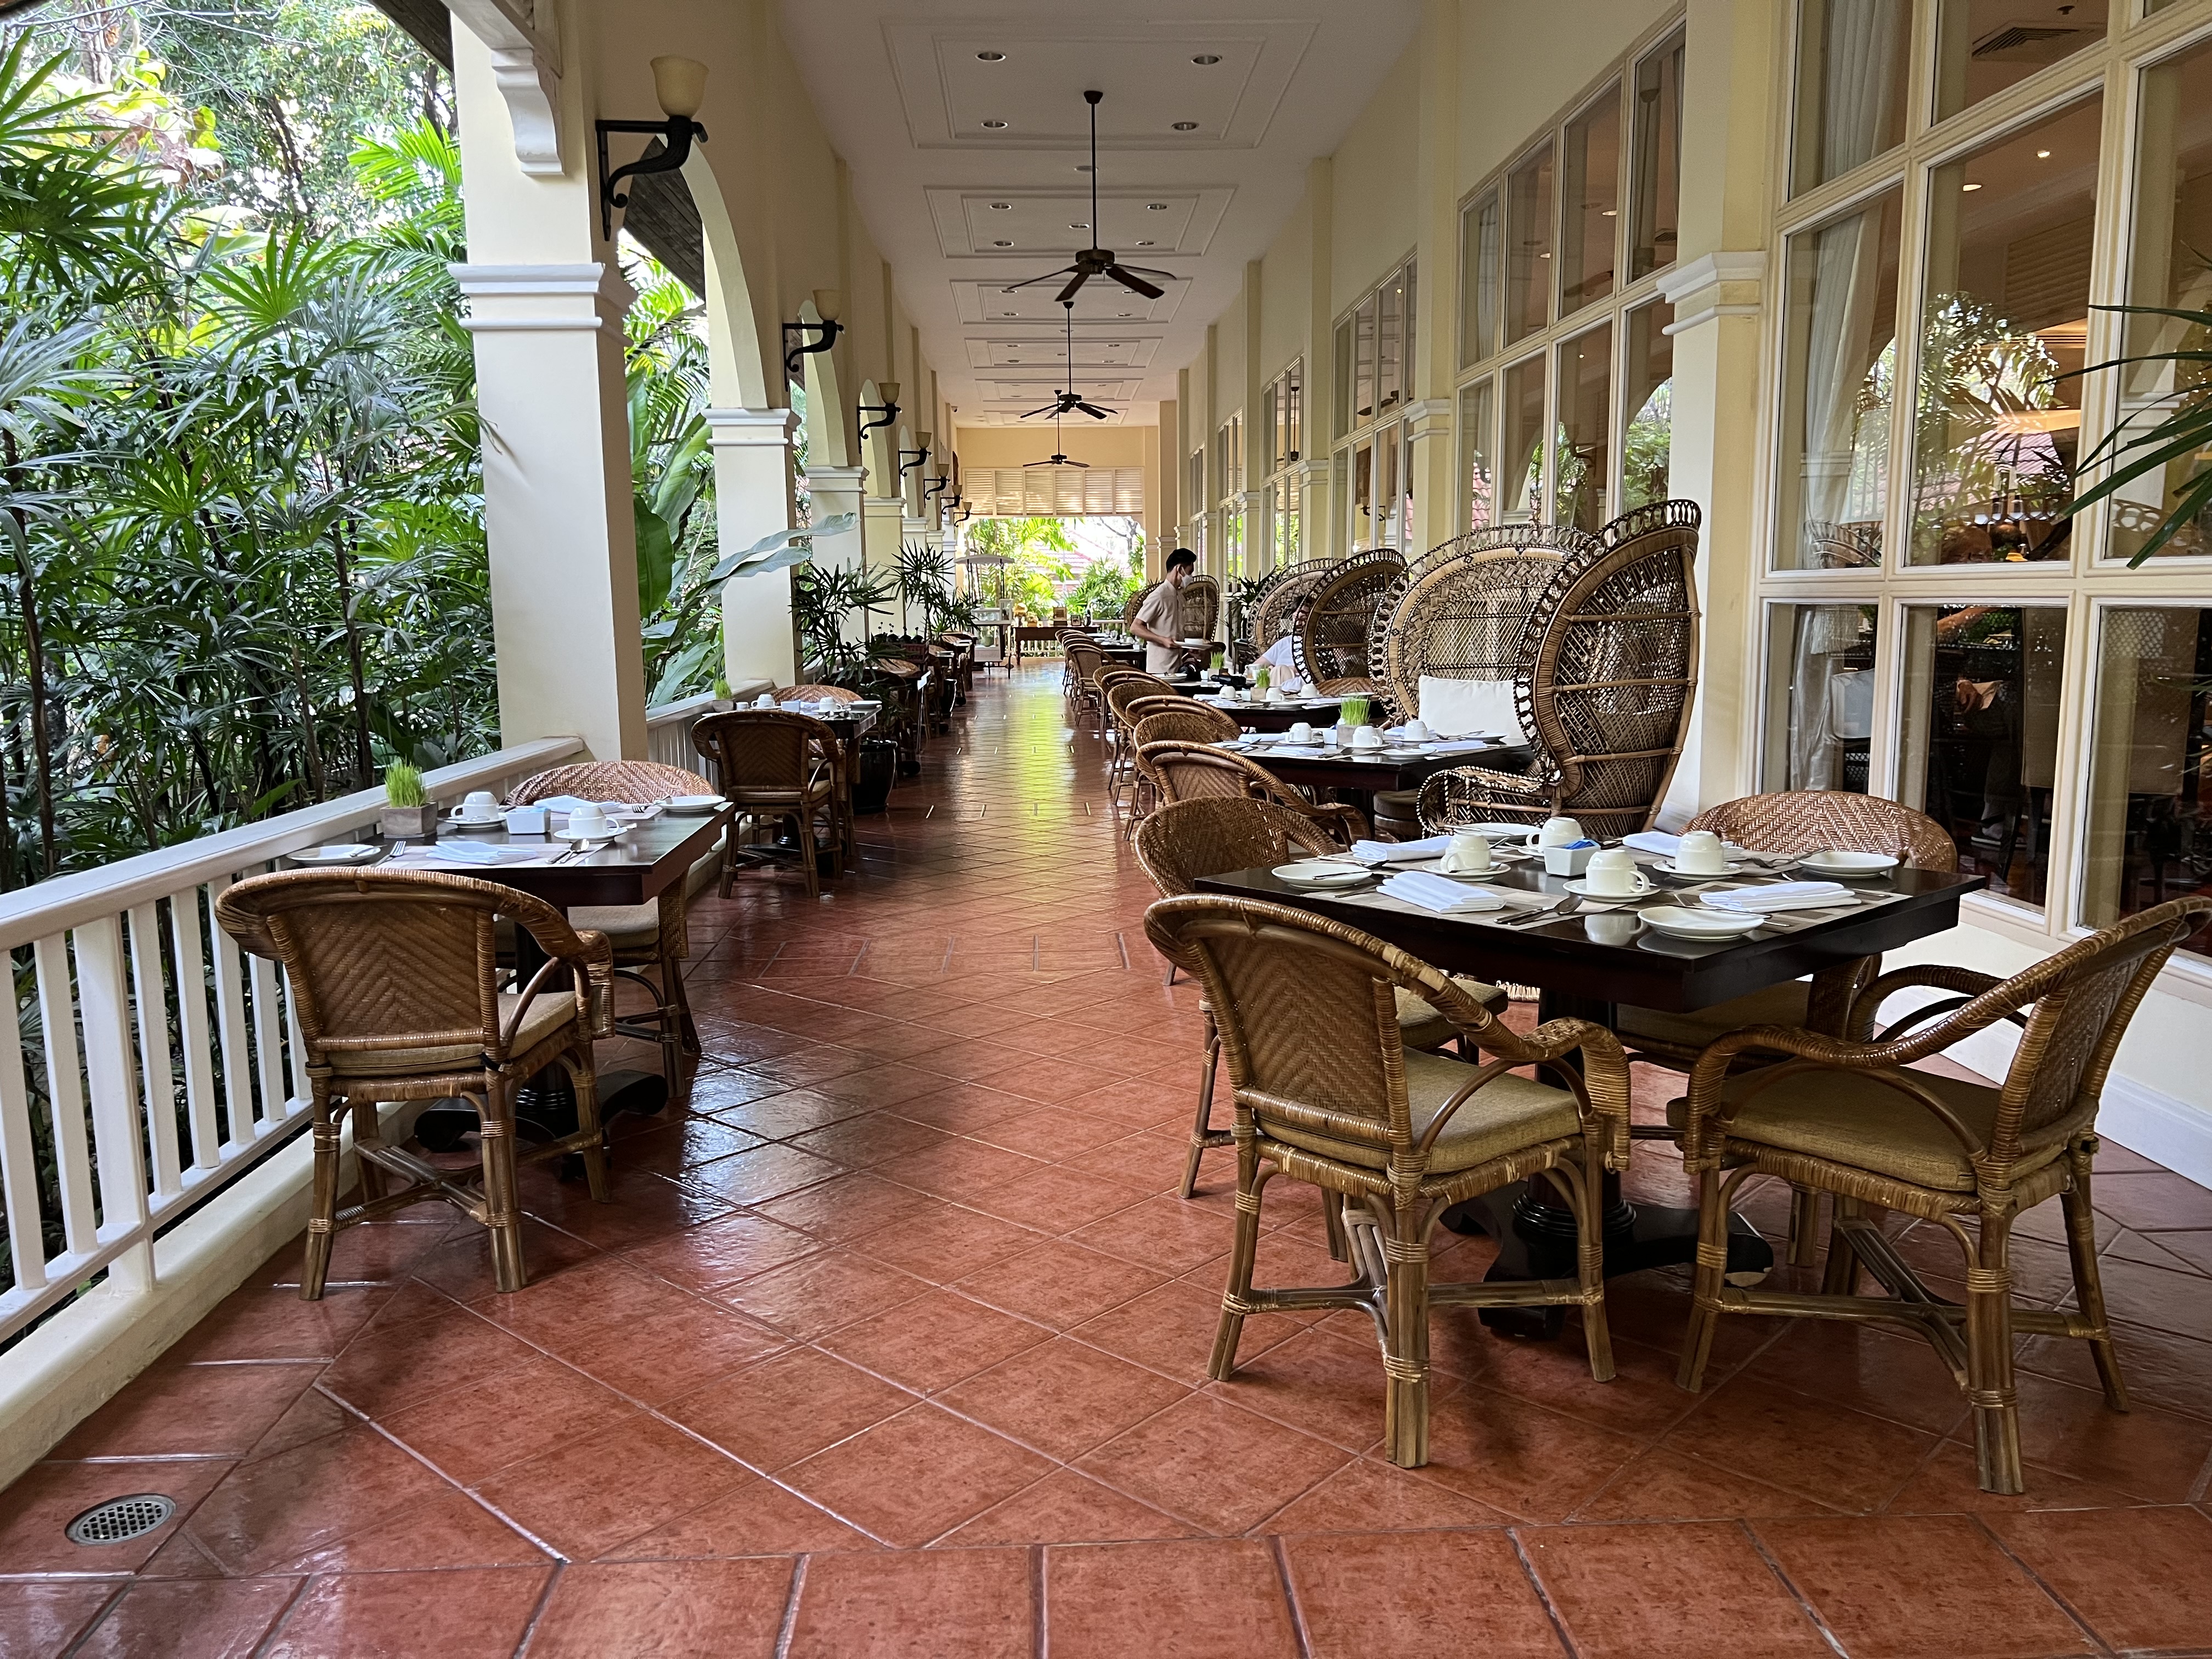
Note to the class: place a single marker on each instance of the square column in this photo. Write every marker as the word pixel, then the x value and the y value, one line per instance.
pixel 1431 469
pixel 753 499
pixel 835 490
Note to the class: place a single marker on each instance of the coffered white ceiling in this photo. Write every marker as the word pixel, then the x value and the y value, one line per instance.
pixel 962 208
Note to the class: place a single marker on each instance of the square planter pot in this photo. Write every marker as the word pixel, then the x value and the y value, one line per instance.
pixel 408 822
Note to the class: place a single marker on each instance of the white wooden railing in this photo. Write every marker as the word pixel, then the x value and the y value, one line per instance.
pixel 157 1061
pixel 668 730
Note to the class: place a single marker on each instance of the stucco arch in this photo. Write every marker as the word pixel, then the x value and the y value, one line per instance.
pixel 735 360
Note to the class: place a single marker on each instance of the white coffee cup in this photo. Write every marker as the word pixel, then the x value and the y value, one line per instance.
pixel 589 819
pixel 1610 926
pixel 1699 853
pixel 1276 694
pixel 1612 874
pixel 1300 731
pixel 1365 737
pixel 1468 855
pixel 1417 730
pixel 477 806
pixel 766 700
pixel 1558 832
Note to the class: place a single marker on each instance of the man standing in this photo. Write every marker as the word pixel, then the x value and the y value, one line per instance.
pixel 1159 620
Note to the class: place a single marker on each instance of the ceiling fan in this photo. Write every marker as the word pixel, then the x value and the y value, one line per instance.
pixel 1099 261
pixel 1064 401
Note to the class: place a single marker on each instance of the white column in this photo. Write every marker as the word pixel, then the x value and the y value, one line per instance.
pixel 558 513
pixel 1259 534
pixel 753 500
pixel 1430 467
pixel 881 517
pixel 835 490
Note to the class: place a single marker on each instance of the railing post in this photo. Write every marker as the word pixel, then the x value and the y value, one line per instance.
pixel 110 1072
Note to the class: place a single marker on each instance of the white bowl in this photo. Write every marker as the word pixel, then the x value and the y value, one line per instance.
pixel 1679 922
pixel 1848 865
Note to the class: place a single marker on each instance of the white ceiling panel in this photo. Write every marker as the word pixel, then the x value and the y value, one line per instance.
pixel 1138 224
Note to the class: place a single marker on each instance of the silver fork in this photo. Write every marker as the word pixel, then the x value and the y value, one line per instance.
pixel 1566 906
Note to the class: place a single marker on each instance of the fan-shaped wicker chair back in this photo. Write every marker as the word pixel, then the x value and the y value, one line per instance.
pixel 1200 602
pixel 1135 603
pixel 1192 722
pixel 629 781
pixel 1273 607
pixel 1191 771
pixel 1805 820
pixel 1468 609
pixel 1329 638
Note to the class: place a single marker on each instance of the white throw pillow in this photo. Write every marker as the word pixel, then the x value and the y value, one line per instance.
pixel 1455 708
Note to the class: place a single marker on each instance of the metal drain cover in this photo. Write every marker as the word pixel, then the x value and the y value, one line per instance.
pixel 122 1518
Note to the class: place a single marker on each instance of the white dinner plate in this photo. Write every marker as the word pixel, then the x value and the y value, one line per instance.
pixel 1681 922
pixel 343 852
pixel 1846 866
pixel 696 803
pixel 1319 873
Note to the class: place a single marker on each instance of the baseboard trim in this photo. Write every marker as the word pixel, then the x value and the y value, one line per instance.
pixel 2162 1128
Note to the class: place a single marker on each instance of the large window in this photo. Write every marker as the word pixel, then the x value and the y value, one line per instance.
pixel 1647 442
pixel 1982 46
pixel 1590 196
pixel 1854 64
pixel 1377 338
pixel 1478 455
pixel 1656 118
pixel 1481 264
pixel 1282 430
pixel 1820 698
pixel 1582 457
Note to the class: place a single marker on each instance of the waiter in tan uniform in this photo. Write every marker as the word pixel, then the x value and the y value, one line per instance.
pixel 1160 616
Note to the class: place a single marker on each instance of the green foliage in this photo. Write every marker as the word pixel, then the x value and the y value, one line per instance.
pixel 402 785
pixel 1030 583
pixel 2170 445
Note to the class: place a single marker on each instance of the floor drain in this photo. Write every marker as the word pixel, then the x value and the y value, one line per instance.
pixel 122 1518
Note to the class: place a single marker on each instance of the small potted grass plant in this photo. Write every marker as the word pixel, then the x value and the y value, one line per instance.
pixel 408 814
pixel 1351 715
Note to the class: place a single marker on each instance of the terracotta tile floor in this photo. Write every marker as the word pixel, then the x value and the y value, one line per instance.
pixel 894 1345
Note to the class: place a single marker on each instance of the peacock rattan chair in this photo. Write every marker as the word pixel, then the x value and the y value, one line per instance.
pixel 1195 771
pixel 1327 1092
pixel 1200 607
pixel 1466 610
pixel 779 766
pixel 395 977
pixel 652 935
pixel 1180 843
pixel 1330 632
pixel 1189 722
pixel 1603 689
pixel 1845 1116
pixel 1271 606
pixel 1135 603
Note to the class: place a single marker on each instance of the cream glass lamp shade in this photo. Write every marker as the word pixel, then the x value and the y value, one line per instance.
pixel 921 440
pixel 828 302
pixel 888 391
pixel 680 83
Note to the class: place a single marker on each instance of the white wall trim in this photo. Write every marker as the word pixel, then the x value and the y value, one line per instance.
pixel 2163 1129
pixel 766 428
pixel 526 67
pixel 531 298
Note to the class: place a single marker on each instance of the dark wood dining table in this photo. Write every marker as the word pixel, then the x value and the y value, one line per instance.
pixel 1364 772
pixel 1587 964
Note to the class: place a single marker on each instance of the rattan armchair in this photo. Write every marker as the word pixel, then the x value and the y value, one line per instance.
pixel 651 935
pixel 778 766
pixel 1188 839
pixel 1603 689
pixel 1199 607
pixel 1080 678
pixel 1325 1092
pixel 395 977
pixel 1845 1115
pixel 1118 693
pixel 1189 722
pixel 1190 771
pixel 1330 632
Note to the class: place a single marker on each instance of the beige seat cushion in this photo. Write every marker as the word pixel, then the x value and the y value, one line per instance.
pixel 1866 1125
pixel 1776 1005
pixel 628 926
pixel 1421 1026
pixel 1506 1114
pixel 548 1014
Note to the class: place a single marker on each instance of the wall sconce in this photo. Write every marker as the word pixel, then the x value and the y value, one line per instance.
pixel 828 302
pixel 920 456
pixel 885 412
pixel 937 486
pixel 680 84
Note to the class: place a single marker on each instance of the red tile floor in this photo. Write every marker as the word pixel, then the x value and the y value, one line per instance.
pixel 894 1345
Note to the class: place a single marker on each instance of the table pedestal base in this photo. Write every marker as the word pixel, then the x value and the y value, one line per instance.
pixel 1536 1240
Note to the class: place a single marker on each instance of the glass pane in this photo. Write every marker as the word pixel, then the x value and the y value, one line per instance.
pixel 1406 383
pixel 1362 497
pixel 1386 487
pixel 1363 384
pixel 1523 472
pixel 1480 253
pixel 1390 371
pixel 1820 696
pixel 1582 461
pixel 1979 744
pixel 1286 521
pixel 1657 188
pixel 2172 237
pixel 2150 765
pixel 1477 451
pixel 1294 403
pixel 1982 46
pixel 1590 211
pixel 1854 62
pixel 2010 232
pixel 1344 377
pixel 1528 245
pixel 1271 426
pixel 1645 456
pixel 1840 363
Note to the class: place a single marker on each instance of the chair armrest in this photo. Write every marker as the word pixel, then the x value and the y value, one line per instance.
pixel 1967 982
pixel 1332 811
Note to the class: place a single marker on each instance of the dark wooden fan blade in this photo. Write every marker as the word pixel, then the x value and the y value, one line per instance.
pixel 1049 409
pixel 1146 270
pixel 1033 281
pixel 1066 295
pixel 1134 285
pixel 1093 410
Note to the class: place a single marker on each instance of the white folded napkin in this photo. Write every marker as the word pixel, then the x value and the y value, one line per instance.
pixel 1456 746
pixel 1398 851
pixel 1781 895
pixel 1429 892
pixel 1654 841
pixel 472 852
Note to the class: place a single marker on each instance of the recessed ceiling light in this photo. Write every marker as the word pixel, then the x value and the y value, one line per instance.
pixel 1010 314
pixel 1207 57
pixel 1128 313
pixel 2043 155
pixel 1609 213
pixel 994 126
pixel 1148 244
pixel 1002 207
pixel 1002 245
pixel 992 56
pixel 1155 207
pixel 1186 126
pixel 1970 187
pixel 1084 167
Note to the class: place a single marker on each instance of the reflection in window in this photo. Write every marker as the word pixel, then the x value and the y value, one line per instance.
pixel 1362 497
pixel 1343 355
pixel 1581 463
pixel 1854 61
pixel 1522 456
pixel 2150 766
pixel 1528 245
pixel 1979 749
pixel 1481 252
pixel 1386 486
pixel 1982 46
pixel 1840 358
pixel 1820 681
pixel 1656 195
pixel 2172 267
pixel 1285 518
pixel 1647 446
pixel 1477 455
pixel 1591 204
pixel 1390 360
pixel 2004 321
pixel 1363 384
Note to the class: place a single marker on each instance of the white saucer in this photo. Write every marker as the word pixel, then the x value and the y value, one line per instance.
pixel 692 803
pixel 1679 922
pixel 344 852
pixel 499 822
pixel 1582 889
pixel 1848 867
pixel 1319 873
pixel 1675 869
